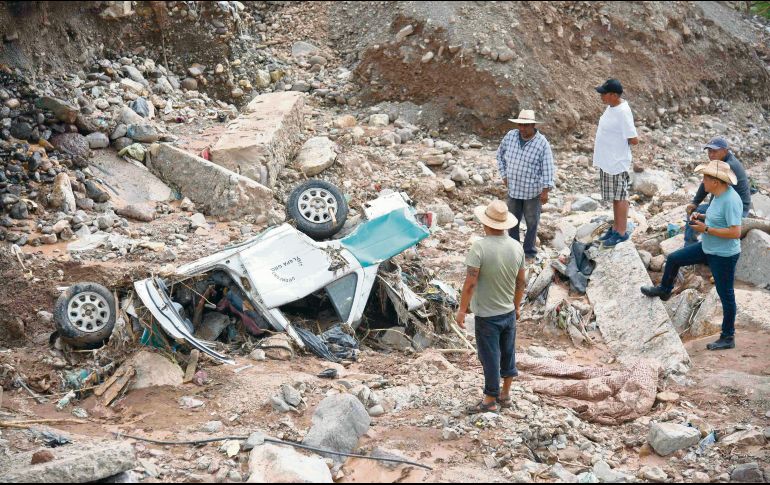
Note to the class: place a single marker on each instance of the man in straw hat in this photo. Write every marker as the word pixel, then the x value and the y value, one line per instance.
pixel 525 161
pixel 612 155
pixel 719 149
pixel 720 247
pixel 494 288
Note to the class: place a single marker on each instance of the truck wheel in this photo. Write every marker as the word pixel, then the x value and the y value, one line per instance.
pixel 85 315
pixel 318 208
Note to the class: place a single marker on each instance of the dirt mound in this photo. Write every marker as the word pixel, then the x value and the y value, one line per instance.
pixel 481 62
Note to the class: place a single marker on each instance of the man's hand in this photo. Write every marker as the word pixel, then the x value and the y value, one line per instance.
pixel 505 182
pixel 518 313
pixel 460 319
pixel 690 208
pixel 544 196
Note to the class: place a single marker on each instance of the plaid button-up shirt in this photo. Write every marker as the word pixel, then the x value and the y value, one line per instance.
pixel 529 169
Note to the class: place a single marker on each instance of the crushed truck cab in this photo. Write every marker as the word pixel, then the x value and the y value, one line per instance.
pixel 282 265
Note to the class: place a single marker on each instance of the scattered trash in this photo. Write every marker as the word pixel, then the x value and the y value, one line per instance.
pixel 706 442
pixel 189 402
pixel 80 413
pixel 328 374
pixel 54 440
pixel 65 401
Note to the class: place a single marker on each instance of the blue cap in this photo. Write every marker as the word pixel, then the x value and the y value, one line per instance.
pixel 717 143
pixel 610 86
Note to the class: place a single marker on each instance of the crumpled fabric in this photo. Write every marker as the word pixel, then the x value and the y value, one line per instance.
pixel 580 267
pixel 596 394
pixel 136 151
pixel 339 343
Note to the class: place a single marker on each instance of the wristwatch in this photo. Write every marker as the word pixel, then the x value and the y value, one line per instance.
pixel 706 230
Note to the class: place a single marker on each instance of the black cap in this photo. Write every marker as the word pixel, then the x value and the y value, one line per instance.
pixel 610 86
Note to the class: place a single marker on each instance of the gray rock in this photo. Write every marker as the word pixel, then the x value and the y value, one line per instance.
pixel 134 73
pixel 141 107
pixel 98 140
pixel 96 192
pixel 444 213
pixel 139 212
pixel 62 197
pixel 749 437
pixel 74 144
pixel 380 119
pixel 129 117
pixel 459 175
pixel 316 155
pixel 680 308
pixel 635 326
pixel 143 133
pixel 62 110
pixel 269 463
pixel 747 473
pixel 395 338
pixel 605 474
pixel 585 204
pixel 404 33
pixel 291 396
pixel 653 474
pixel 213 427
pixel 303 49
pixel 666 438
pixel 189 84
pixel 198 220
pixel 652 182
pixel 761 205
pixel 338 423
pixel 255 439
pixel 754 264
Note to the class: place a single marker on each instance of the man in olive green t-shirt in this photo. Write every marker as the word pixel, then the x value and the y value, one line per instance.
pixel 494 288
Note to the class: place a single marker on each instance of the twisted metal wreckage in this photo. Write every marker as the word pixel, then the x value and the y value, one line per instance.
pixel 253 280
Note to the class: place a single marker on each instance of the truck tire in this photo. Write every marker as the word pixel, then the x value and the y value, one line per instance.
pixel 85 315
pixel 318 208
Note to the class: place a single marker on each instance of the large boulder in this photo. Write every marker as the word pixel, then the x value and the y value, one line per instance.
pixel 316 155
pixel 666 438
pixel 280 464
pixel 62 110
pixel 633 325
pixel 339 422
pixel 74 144
pixel 752 312
pixel 754 263
pixel 652 182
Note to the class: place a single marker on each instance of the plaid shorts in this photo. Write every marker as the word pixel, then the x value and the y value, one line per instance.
pixel 614 187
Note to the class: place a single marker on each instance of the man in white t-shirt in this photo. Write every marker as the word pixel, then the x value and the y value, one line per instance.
pixel 612 155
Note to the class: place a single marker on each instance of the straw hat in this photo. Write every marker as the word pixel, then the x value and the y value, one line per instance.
pixel 495 215
pixel 526 116
pixel 718 169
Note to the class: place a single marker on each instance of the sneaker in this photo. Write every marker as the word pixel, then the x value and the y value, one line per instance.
pixel 616 239
pixel 659 291
pixel 723 343
pixel 610 232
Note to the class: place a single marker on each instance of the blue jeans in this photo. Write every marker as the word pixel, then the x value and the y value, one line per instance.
pixel 723 270
pixel 530 209
pixel 496 340
pixel 690 236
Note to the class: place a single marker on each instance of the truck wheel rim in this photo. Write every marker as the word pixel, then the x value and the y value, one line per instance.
pixel 88 311
pixel 317 205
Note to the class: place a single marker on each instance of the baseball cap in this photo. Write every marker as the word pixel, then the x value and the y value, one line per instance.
pixel 717 143
pixel 610 86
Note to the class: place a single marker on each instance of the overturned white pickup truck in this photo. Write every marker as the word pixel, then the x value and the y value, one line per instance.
pixel 280 266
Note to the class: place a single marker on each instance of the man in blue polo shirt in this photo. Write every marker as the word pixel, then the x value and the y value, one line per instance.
pixel 719 149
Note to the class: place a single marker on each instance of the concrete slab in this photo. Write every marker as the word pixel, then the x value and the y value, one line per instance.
pixel 264 138
pixel 633 325
pixel 215 190
pixel 128 183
